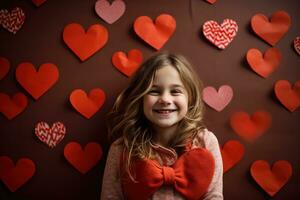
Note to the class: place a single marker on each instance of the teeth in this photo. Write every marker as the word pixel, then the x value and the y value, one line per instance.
pixel 164 111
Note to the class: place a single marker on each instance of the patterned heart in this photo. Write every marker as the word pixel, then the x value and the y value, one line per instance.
pixel 222 35
pixel 110 13
pixel 4 67
pixel 127 65
pixel 50 136
pixel 38 2
pixel 288 96
pixel 265 64
pixel 12 21
pixel 232 152
pixel 11 107
pixel 297 44
pixel 271 180
pixel 14 176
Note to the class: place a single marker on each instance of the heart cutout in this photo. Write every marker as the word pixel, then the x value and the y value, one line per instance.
pixel 297 44
pixel 271 180
pixel 288 96
pixel 127 65
pixel 50 136
pixel 265 64
pixel 4 67
pixel 83 160
pixel 87 105
pixel 217 100
pixel 155 34
pixel 250 127
pixel 271 30
pixel 12 21
pixel 110 12
pixel 38 2
pixel 220 36
pixel 14 176
pixel 85 44
pixel 211 1
pixel 36 83
pixel 11 107
pixel 232 152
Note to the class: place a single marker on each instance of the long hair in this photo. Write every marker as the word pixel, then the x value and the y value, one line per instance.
pixel 127 121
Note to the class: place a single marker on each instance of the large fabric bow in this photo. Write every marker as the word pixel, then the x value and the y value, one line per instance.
pixel 190 175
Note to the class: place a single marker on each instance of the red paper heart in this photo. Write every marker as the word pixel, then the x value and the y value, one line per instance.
pixel 265 64
pixel 271 180
pixel 12 21
pixel 297 44
pixel 211 1
pixel 4 67
pixel 11 107
pixel 232 152
pixel 50 136
pixel 155 34
pixel 84 44
pixel 110 12
pixel 38 2
pixel 217 100
pixel 83 160
pixel 289 97
pixel 250 128
pixel 16 176
pixel 222 35
pixel 127 65
pixel 36 83
pixel 87 105
pixel 271 31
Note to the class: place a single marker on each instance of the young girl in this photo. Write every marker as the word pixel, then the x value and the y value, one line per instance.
pixel 162 149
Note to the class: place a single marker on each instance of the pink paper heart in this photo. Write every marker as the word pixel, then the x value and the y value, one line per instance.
pixel 12 21
pixel 218 100
pixel 297 44
pixel 110 12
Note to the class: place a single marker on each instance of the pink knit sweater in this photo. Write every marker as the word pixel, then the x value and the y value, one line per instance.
pixel 111 185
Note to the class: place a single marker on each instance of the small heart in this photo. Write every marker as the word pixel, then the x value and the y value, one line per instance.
pixel 4 67
pixel 297 44
pixel 38 2
pixel 155 34
pixel 85 44
pixel 211 1
pixel 127 65
pixel 87 105
pixel 271 31
pixel 83 160
pixel 218 100
pixel 36 83
pixel 11 107
pixel 222 35
pixel 250 127
pixel 12 21
pixel 271 180
pixel 232 152
pixel 50 136
pixel 14 176
pixel 265 64
pixel 288 96
pixel 110 13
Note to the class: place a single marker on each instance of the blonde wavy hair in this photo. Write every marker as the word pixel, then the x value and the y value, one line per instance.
pixel 126 120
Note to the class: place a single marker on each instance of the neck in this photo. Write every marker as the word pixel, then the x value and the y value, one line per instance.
pixel 163 136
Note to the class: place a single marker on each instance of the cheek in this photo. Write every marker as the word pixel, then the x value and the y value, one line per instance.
pixel 148 102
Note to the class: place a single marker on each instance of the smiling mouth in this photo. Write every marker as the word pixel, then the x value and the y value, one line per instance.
pixel 164 111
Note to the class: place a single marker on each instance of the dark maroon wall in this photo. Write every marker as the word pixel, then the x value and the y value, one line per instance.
pixel 40 40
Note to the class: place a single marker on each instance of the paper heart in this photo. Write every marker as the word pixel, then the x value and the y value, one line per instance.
pixel 14 176
pixel 87 105
pixel 85 44
pixel 110 13
pixel 36 83
pixel 12 21
pixel 265 64
pixel 4 67
pixel 38 2
pixel 155 34
pixel 271 180
pixel 127 65
pixel 83 160
pixel 232 152
pixel 288 96
pixel 250 127
pixel 271 31
pixel 211 1
pixel 222 35
pixel 11 107
pixel 297 44
pixel 50 136
pixel 217 100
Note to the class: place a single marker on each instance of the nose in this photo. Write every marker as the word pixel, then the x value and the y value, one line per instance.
pixel 165 98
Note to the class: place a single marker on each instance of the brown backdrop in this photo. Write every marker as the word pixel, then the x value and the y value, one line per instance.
pixel 40 41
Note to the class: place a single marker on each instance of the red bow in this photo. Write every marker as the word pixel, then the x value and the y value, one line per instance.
pixel 190 175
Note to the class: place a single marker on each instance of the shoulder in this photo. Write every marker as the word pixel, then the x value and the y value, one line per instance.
pixel 116 148
pixel 206 139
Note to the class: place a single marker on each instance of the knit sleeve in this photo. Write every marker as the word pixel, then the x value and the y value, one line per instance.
pixel 111 184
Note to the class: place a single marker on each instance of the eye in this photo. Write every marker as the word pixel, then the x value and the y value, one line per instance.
pixel 155 92
pixel 176 91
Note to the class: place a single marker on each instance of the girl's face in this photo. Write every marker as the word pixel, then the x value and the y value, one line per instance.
pixel 167 101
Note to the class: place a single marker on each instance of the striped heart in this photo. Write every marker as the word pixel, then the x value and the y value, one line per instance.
pixel 297 44
pixel 50 136
pixel 12 21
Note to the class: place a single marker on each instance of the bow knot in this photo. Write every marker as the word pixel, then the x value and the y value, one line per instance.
pixel 169 175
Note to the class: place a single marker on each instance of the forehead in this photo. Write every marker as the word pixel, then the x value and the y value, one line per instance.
pixel 167 75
